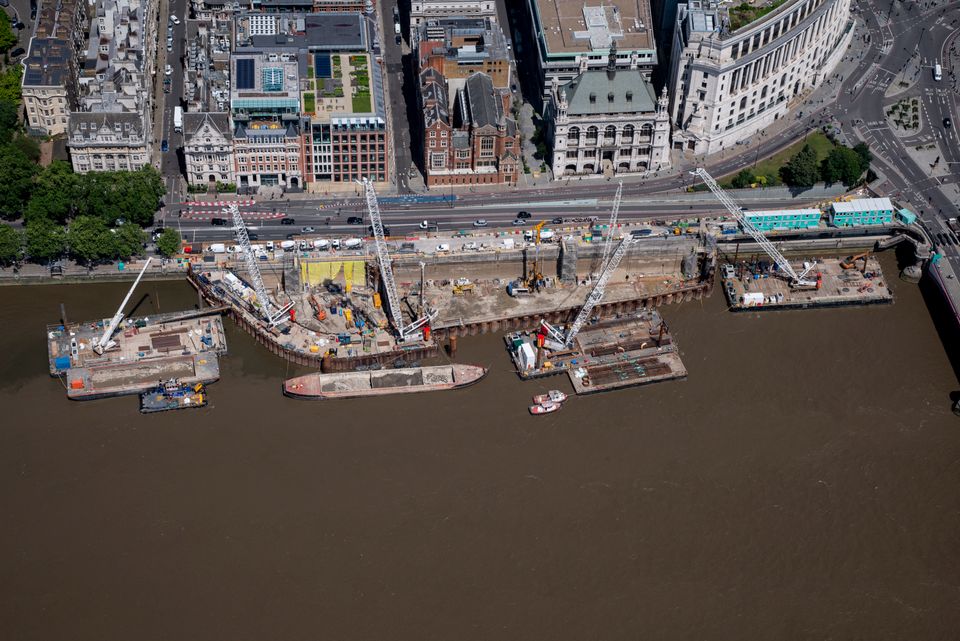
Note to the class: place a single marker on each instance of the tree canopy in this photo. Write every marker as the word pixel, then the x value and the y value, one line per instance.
pixel 129 241
pixel 10 84
pixel 45 240
pixel 168 243
pixel 17 172
pixel 843 164
pixel 90 240
pixel 802 169
pixel 8 38
pixel 11 245
pixel 744 178
pixel 56 193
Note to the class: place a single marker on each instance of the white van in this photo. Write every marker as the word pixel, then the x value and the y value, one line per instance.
pixel 443 247
pixel 218 248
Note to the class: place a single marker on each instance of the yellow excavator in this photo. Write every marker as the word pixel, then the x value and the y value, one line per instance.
pixel 850 262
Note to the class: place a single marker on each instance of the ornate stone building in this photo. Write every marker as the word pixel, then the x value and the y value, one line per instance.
pixel 608 122
pixel 471 141
pixel 729 81
pixel 107 141
pixel 207 148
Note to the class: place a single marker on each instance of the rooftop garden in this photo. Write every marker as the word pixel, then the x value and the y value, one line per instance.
pixel 745 13
pixel 309 103
pixel 360 80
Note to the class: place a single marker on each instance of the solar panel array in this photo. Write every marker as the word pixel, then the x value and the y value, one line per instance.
pixel 245 74
pixel 321 63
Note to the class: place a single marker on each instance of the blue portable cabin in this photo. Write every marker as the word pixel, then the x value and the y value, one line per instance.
pixel 862 211
pixel 784 219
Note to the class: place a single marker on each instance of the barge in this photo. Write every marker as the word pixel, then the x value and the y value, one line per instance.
pixel 405 380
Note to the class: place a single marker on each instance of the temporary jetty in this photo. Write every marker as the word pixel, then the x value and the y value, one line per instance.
pixel 381 382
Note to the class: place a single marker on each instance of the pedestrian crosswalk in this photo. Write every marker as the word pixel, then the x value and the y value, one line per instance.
pixel 220 203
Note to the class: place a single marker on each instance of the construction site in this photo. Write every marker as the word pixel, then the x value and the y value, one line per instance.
pixel 117 356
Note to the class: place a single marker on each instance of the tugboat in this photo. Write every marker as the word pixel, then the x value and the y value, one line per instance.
pixel 553 396
pixel 544 408
pixel 172 395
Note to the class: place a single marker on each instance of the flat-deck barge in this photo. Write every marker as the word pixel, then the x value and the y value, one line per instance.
pixel 637 349
pixel 404 380
pixel 840 282
pixel 182 345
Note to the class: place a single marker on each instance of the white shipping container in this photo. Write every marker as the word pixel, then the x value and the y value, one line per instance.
pixel 751 299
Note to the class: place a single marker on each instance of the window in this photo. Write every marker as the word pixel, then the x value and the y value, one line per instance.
pixel 438 161
pixel 486 146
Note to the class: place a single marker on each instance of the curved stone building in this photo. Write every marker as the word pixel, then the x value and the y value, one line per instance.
pixel 728 84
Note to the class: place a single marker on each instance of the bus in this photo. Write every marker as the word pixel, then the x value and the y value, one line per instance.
pixel 937 72
pixel 178 119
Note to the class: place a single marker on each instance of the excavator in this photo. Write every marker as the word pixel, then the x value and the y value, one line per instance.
pixel 532 280
pixel 850 262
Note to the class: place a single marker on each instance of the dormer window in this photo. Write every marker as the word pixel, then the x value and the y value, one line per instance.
pixel 593 98
pixel 629 96
pixel 610 97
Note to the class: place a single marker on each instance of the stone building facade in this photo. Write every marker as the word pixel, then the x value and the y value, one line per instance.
pixel 107 142
pixel 727 86
pixel 423 10
pixel 207 148
pixel 608 122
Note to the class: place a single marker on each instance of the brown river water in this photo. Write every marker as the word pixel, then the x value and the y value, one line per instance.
pixel 803 483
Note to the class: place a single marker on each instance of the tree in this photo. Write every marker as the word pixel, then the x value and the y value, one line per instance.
pixel 10 84
pixel 130 240
pixel 743 179
pixel 802 169
pixel 11 245
pixel 55 194
pixel 16 180
pixel 842 164
pixel 44 240
pixel 168 243
pixel 866 156
pixel 131 195
pixel 90 240
pixel 7 37
pixel 9 120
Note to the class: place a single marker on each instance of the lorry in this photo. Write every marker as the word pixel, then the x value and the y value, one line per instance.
pixel 178 119
pixel 353 243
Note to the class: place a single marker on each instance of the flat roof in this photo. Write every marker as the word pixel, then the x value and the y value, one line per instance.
pixel 577 26
pixel 863 204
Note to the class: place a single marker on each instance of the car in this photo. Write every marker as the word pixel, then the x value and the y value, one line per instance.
pixel 16 53
pixel 287 221
pixel 18 25
pixel 169 48
pixel 167 70
pixel 4 3
pixel 947 123
pixel 386 230
pixel 175 19
pixel 523 214
pixel 443 247
pixel 252 236
pixel 164 146
pixel 424 224
pixel 354 220
pixel 480 223
pixel 557 220
pixel 291 236
pixel 518 221
pixel 307 230
pixel 218 222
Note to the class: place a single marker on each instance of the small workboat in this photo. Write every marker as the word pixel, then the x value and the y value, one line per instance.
pixel 172 395
pixel 553 396
pixel 544 408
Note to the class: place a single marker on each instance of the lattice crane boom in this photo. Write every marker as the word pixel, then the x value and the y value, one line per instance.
pixel 731 206
pixel 270 312
pixel 614 214
pixel 598 291
pixel 386 268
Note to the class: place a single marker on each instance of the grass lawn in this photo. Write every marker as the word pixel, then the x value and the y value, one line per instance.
pixel 770 167
pixel 361 103
pixel 743 13
pixel 309 104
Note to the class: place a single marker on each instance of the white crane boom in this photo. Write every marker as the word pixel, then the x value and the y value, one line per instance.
pixel 614 213
pixel 270 313
pixel 105 341
pixel 596 295
pixel 386 268
pixel 756 234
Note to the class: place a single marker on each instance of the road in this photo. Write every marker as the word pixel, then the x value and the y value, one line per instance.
pixel 172 163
